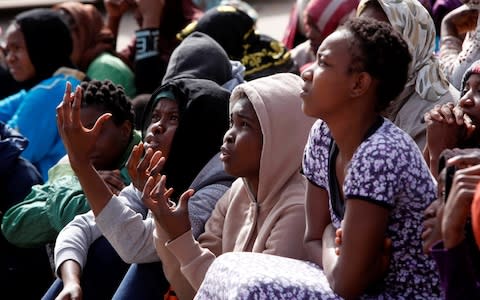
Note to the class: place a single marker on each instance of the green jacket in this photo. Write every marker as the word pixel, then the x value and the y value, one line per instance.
pixel 38 219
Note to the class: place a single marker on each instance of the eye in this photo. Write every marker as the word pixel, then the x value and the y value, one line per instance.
pixel 244 124
pixel 174 117
pixel 155 118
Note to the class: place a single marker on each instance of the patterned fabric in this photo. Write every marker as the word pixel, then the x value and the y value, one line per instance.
pixel 386 169
pixel 328 14
pixel 247 275
pixel 412 20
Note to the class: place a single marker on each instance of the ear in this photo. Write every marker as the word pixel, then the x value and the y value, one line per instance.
pixel 361 84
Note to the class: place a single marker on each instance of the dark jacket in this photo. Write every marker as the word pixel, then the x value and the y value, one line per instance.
pixel 17 175
pixel 195 72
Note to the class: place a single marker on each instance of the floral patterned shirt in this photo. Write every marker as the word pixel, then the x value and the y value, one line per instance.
pixel 386 169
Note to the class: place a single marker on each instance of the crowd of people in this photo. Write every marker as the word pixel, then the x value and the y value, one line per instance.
pixel 209 160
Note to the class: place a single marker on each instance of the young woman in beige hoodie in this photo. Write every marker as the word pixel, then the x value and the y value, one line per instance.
pixel 264 209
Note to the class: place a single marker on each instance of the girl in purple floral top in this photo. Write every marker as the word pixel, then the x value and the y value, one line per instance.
pixel 368 186
pixel 368 182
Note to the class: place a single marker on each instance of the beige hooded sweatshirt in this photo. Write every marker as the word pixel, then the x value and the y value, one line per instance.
pixel 274 223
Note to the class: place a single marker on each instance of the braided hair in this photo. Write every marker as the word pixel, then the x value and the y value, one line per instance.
pixel 110 97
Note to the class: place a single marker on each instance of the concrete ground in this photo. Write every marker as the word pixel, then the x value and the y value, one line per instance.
pixel 273 17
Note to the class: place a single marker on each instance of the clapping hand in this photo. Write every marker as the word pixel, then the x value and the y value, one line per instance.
pixel 174 220
pixel 140 168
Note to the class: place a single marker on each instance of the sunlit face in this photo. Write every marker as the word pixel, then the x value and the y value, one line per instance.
pixel 243 142
pixel 325 81
pixel 164 123
pixel 470 101
pixel 112 140
pixel 18 59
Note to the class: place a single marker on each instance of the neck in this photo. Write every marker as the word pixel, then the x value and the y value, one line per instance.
pixel 349 130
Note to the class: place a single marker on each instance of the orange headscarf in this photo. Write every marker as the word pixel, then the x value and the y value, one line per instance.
pixel 93 36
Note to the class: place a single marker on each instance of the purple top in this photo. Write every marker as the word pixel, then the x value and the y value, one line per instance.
pixel 387 169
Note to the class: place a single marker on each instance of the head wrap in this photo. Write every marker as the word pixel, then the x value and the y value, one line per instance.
pixel 48 40
pixel 260 54
pixel 93 36
pixel 473 69
pixel 411 19
pixel 327 14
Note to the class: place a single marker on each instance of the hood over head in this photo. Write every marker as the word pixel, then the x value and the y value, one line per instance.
pixel 199 56
pixel 276 100
pixel 48 40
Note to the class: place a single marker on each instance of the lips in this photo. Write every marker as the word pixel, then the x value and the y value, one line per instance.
pixel 225 154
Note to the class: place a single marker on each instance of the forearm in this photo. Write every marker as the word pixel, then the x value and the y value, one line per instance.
pixel 97 192
pixel 113 22
pixel 70 272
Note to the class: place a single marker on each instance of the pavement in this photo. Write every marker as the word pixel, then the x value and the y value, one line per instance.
pixel 272 20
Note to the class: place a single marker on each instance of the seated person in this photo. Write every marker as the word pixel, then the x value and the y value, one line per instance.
pixel 321 18
pixel 190 95
pixel 17 175
pixel 39 46
pixel 368 185
pixel 455 126
pixel 155 39
pixel 94 46
pixel 48 207
pixel 259 53
pixel 448 227
pixel 460 41
pixel 426 85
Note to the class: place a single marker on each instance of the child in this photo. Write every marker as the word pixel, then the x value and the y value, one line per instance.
pixel 38 55
pixel 49 207
pixel 263 146
pixel 185 119
pixel 368 183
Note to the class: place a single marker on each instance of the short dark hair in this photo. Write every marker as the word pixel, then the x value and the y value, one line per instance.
pixel 380 51
pixel 110 97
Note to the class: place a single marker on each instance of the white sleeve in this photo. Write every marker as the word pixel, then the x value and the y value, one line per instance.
pixel 74 240
pixel 126 229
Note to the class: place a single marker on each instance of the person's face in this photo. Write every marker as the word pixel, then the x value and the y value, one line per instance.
pixel 18 60
pixel 470 102
pixel 374 12
pixel 326 81
pixel 243 142
pixel 164 123
pixel 111 142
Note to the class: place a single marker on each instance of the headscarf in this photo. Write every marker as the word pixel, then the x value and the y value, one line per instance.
pixel 260 54
pixel 411 19
pixel 48 41
pixel 202 104
pixel 473 69
pixel 327 14
pixel 94 37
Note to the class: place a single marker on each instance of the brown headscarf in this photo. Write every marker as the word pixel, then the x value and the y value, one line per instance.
pixel 87 25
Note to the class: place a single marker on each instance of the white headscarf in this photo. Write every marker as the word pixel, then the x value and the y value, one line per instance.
pixel 412 20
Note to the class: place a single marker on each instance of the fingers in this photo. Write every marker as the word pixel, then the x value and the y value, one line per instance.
pixel 183 202
pixel 133 160
pixel 156 164
pixel 76 103
pixel 113 180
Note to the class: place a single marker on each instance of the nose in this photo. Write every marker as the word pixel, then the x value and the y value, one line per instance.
pixel 158 128
pixel 307 74
pixel 467 100
pixel 228 137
